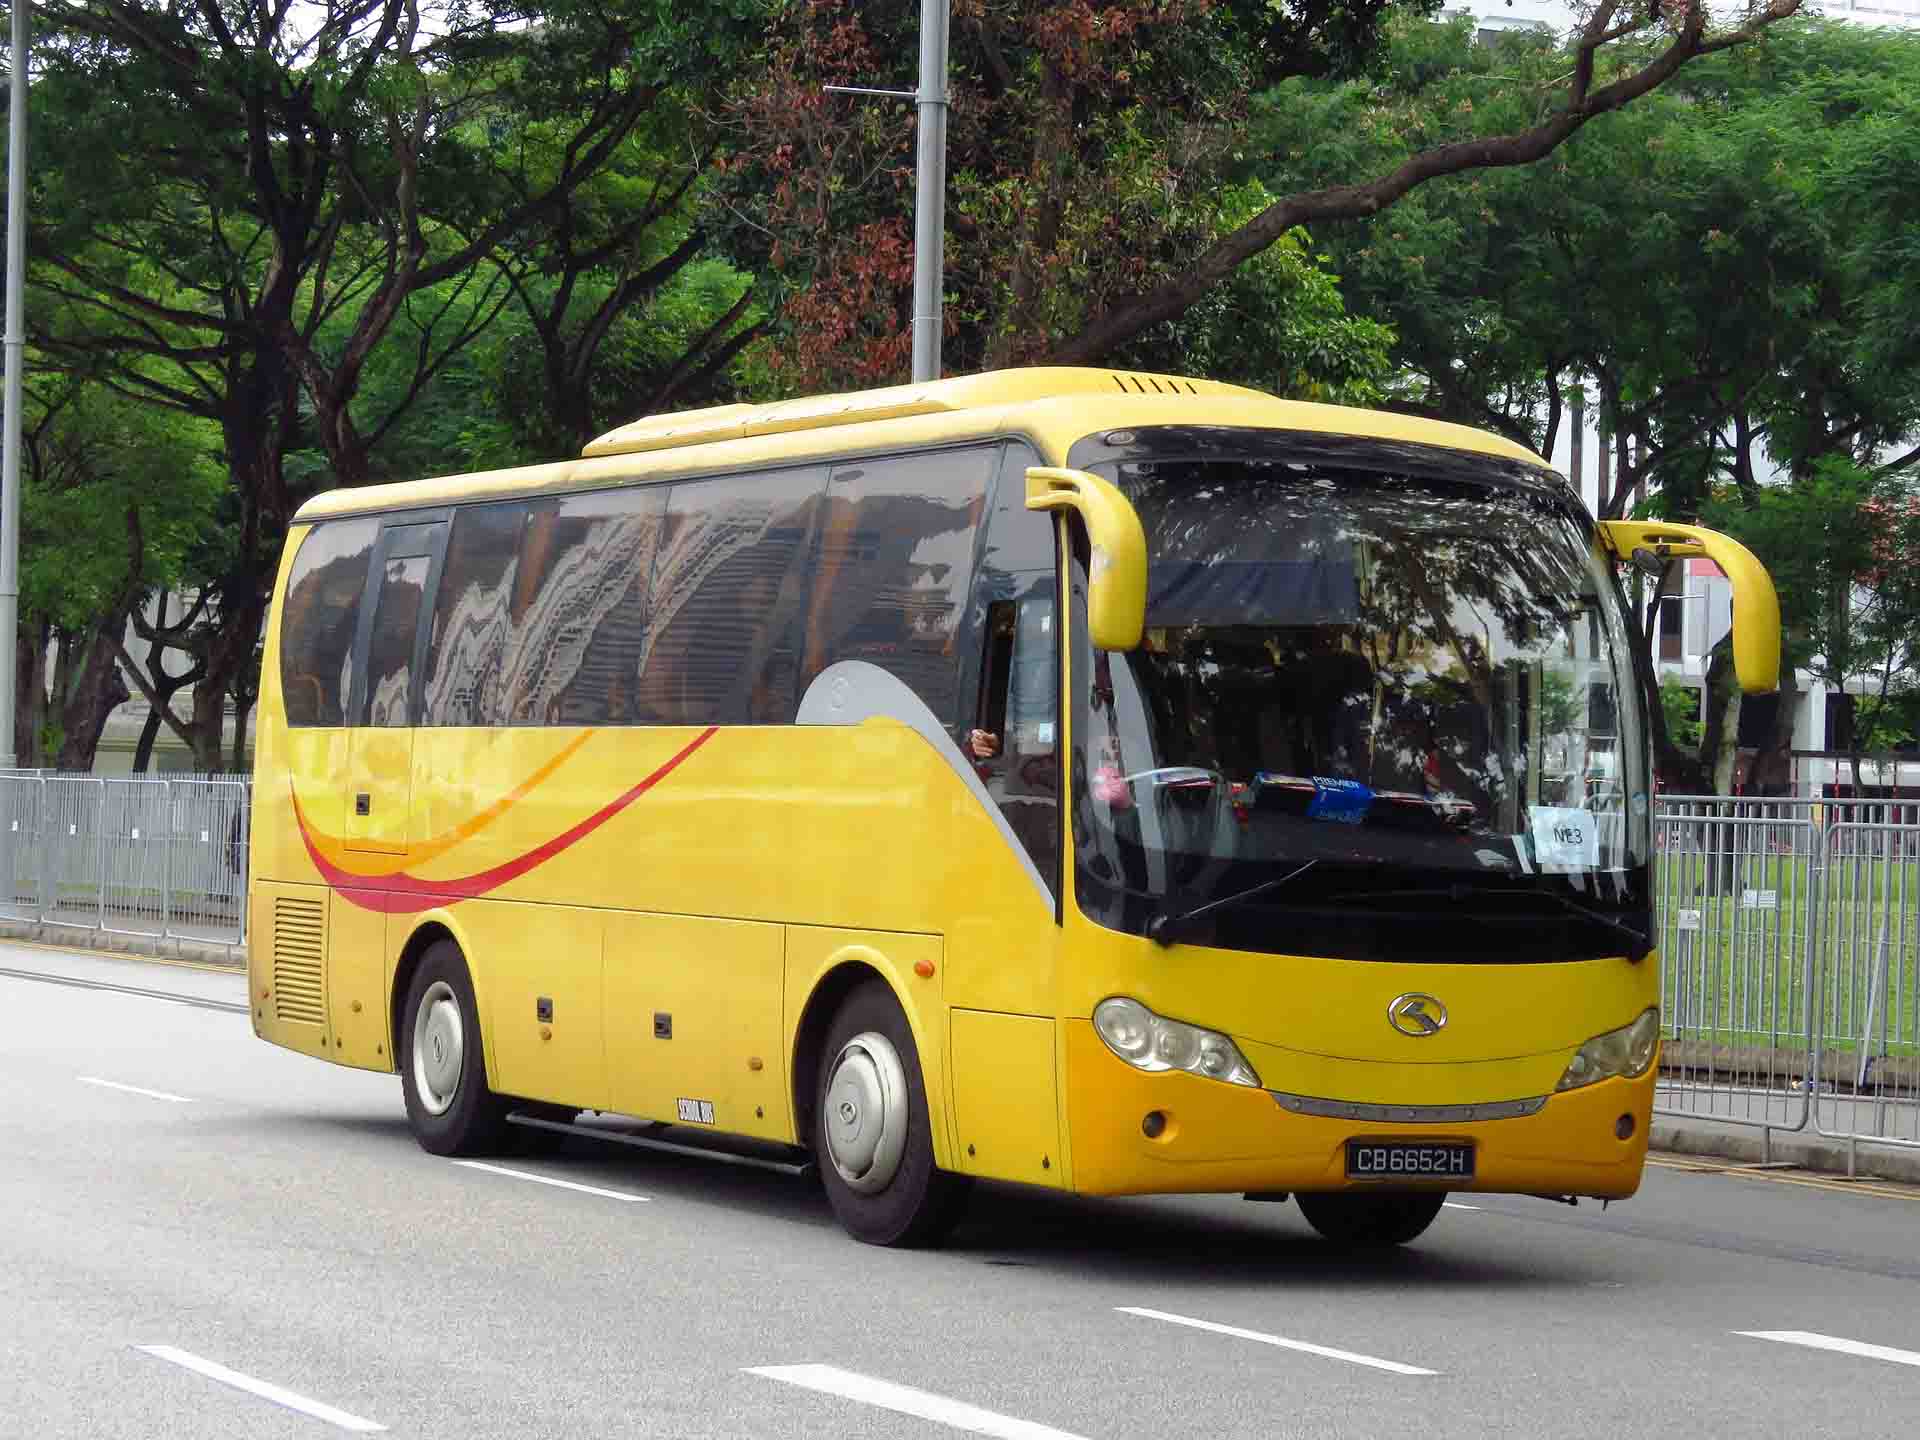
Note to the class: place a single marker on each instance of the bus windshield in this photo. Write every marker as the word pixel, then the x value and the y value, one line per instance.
pixel 1385 706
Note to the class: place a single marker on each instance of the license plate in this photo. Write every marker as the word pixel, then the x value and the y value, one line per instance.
pixel 1409 1160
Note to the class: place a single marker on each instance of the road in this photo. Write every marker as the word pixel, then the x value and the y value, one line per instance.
pixel 175 1196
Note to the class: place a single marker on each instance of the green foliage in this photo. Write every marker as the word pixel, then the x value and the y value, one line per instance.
pixel 1091 152
pixel 1680 703
pixel 1841 542
pixel 119 499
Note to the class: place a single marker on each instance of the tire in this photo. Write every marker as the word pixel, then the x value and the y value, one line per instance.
pixel 870 1128
pixel 1371 1219
pixel 443 1066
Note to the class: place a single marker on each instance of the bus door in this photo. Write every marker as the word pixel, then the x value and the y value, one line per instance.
pixel 392 645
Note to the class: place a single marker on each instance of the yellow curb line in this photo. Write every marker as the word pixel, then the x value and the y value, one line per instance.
pixel 1814 1182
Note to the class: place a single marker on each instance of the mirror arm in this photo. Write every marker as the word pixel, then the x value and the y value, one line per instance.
pixel 1756 608
pixel 1117 576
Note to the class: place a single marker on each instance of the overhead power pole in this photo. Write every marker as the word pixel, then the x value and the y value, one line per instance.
pixel 929 184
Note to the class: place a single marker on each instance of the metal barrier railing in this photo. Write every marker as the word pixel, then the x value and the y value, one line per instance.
pixel 1790 945
pixel 159 857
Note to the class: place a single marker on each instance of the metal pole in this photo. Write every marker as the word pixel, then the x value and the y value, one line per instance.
pixel 15 343
pixel 930 189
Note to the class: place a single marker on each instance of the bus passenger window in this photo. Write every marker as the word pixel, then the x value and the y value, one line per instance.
pixel 396 621
pixel 1018 716
pixel 319 617
pixel 468 644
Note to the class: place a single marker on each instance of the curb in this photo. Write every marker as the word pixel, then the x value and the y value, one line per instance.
pixel 1797 1149
pixel 150 947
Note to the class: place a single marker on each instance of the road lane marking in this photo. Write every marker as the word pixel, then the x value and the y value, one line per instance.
pixel 135 1089
pixel 1456 1205
pixel 1833 1342
pixel 830 1380
pixel 1280 1340
pixel 549 1180
pixel 277 1394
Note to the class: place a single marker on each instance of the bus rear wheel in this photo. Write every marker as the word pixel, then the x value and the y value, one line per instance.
pixel 871 1131
pixel 443 1068
pixel 1371 1219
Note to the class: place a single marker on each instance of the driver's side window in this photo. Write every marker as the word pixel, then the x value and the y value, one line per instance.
pixel 1018 716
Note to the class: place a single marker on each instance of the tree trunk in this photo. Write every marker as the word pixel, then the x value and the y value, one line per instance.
pixel 242 712
pixel 143 751
pixel 30 694
pixel 97 690
pixel 1772 770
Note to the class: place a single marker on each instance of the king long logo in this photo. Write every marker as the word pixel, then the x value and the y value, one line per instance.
pixel 399 892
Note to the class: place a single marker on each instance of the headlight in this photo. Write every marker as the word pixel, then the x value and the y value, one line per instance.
pixel 1151 1042
pixel 1626 1052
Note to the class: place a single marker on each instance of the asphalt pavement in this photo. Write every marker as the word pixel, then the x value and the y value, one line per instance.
pixel 204 1236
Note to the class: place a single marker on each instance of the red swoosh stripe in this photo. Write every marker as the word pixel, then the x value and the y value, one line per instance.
pixel 404 894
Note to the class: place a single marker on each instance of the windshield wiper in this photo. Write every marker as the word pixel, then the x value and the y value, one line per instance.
pixel 1459 894
pixel 1165 929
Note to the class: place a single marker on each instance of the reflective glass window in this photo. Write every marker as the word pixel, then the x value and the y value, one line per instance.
pixel 896 551
pixel 396 625
pixel 730 586
pixel 318 619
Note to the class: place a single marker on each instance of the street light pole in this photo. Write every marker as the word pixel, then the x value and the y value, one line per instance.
pixel 929 184
pixel 929 191
pixel 15 344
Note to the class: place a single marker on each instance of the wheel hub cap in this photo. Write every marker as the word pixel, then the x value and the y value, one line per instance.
pixel 439 1048
pixel 866 1107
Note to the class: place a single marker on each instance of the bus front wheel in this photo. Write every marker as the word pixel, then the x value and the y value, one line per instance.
pixel 1371 1219
pixel 443 1069
pixel 871 1130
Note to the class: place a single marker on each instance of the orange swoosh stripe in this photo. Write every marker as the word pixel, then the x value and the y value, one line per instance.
pixel 403 894
pixel 336 849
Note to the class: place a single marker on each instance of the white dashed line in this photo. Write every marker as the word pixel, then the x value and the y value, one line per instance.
pixel 549 1180
pixel 1303 1346
pixel 275 1393
pixel 1833 1342
pixel 829 1380
pixel 1456 1205
pixel 135 1090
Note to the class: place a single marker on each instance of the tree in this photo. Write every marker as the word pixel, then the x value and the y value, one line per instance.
pixel 1842 544
pixel 237 204
pixel 1090 145
pixel 1723 265
pixel 142 486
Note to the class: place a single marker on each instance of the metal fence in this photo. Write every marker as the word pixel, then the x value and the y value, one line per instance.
pixel 159 857
pixel 1790 944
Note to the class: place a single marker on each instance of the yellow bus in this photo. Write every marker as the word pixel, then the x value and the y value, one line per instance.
pixel 1110 782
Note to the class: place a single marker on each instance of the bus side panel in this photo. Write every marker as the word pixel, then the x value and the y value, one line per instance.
pixel 813 954
pixel 537 977
pixel 357 984
pixel 694 1022
pixel 1006 1119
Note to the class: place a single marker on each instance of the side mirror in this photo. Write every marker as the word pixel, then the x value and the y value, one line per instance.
pixel 1117 578
pixel 1756 609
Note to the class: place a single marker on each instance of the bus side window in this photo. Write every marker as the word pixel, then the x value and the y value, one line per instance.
pixel 319 618
pixel 1019 707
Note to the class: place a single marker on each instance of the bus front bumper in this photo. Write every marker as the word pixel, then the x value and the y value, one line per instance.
pixel 1209 1136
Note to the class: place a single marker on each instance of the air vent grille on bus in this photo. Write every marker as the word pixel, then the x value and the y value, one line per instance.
pixel 299 943
pixel 1155 385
